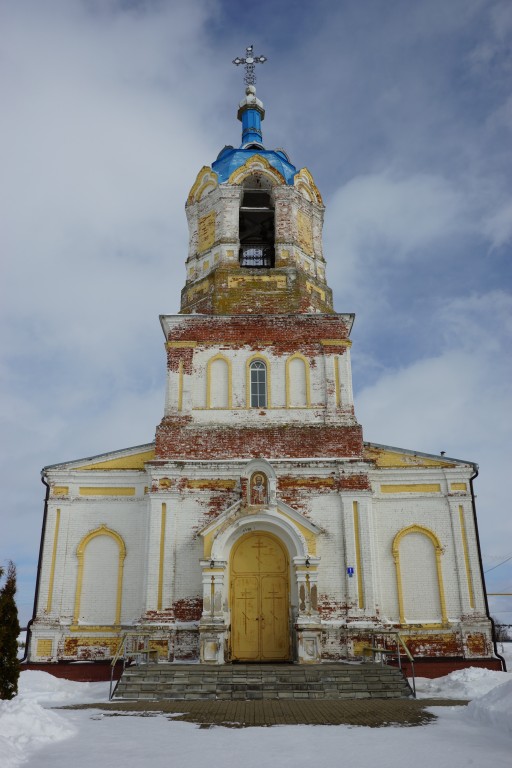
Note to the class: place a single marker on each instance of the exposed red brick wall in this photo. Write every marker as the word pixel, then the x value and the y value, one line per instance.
pixel 181 354
pixel 175 441
pixel 292 331
pixel 188 609
pixel 320 484
pixel 355 483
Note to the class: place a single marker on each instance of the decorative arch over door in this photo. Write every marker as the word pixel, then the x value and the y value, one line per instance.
pixel 259 598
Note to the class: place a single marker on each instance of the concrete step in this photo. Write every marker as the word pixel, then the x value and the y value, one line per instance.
pixel 261 681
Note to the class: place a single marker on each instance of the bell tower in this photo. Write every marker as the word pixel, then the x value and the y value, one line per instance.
pixel 258 361
pixel 255 231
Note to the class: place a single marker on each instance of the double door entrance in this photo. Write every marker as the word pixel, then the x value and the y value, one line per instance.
pixel 260 591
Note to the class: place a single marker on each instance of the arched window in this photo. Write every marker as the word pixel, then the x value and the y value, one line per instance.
pixel 256 225
pixel 218 382
pixel 258 384
pixel 298 393
pixel 99 586
pixel 417 554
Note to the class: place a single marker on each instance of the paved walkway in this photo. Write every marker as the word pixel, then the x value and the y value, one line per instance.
pixel 375 713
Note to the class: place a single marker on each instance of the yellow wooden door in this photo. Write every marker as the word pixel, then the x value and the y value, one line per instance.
pixel 259 599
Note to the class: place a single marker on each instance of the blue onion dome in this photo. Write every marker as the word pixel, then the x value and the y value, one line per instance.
pixel 251 113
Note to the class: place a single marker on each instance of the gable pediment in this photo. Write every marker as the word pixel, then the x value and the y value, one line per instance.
pixel 281 514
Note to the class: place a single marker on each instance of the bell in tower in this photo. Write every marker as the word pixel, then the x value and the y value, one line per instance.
pixel 255 230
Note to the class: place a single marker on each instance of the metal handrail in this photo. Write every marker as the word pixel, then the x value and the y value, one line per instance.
pixel 135 654
pixel 399 642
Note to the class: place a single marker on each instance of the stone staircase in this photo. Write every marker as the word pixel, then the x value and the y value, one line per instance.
pixel 164 682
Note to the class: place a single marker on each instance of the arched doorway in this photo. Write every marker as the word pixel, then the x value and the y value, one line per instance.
pixel 259 580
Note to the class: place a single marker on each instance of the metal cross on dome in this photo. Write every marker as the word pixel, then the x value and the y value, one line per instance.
pixel 250 62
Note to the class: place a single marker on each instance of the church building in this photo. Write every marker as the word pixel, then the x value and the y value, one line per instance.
pixel 259 526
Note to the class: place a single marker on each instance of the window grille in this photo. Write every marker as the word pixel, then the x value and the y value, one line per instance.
pixel 258 384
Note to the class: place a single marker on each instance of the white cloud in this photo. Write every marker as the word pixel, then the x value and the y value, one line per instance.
pixel 459 401
pixel 400 215
pixel 498 225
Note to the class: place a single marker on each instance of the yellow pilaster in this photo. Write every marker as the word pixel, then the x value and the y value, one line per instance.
pixel 466 556
pixel 360 594
pixel 162 554
pixel 54 557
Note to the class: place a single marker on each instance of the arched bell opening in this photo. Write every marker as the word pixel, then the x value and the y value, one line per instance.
pixel 257 224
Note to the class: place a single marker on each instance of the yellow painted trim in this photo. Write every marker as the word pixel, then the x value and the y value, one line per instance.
pixel 256 163
pixel 298 356
pixel 200 287
pixel 309 536
pixel 60 490
pixel 360 593
pixel 388 459
pixel 204 179
pixel 94 628
pixel 412 488
pixel 44 647
pixel 180 386
pixel 438 552
pixel 206 226
pixel 219 356
pixel 337 391
pixel 458 487
pixel 335 342
pixel 162 554
pixel 54 558
pixel 181 344
pixel 310 287
pixel 98 490
pixel 257 356
pixel 80 551
pixel 234 281
pixel 466 556
pixel 216 484
pixel 304 179
pixel 207 545
pixel 135 461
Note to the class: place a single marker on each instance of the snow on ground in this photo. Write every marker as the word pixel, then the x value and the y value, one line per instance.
pixel 462 684
pixel 55 691
pixel 34 734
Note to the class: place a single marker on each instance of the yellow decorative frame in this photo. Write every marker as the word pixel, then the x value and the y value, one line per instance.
pixel 54 559
pixel 303 180
pixel 250 360
pixel 219 356
pixel 252 165
pixel 438 552
pixel 359 564
pixel 205 179
pixel 298 356
pixel 161 560
pixel 80 552
pixel 464 537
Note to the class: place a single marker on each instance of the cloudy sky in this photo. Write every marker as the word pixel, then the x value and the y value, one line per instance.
pixel 401 109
